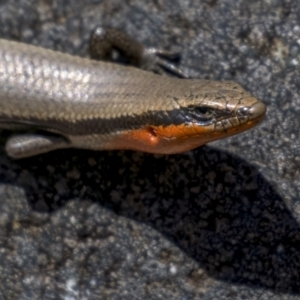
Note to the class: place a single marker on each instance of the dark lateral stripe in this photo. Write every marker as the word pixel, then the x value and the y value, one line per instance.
pixel 102 125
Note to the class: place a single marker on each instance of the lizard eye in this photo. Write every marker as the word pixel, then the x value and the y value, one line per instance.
pixel 201 114
pixel 202 110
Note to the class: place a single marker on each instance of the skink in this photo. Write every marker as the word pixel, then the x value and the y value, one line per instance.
pixel 56 100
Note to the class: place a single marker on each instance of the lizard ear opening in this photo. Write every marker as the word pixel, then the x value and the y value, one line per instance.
pixel 152 132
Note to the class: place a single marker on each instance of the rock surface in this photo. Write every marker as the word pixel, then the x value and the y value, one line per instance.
pixel 219 222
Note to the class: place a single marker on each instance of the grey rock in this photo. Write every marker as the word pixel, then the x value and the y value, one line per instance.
pixel 219 222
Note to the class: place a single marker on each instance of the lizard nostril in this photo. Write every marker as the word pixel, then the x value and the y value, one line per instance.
pixel 244 111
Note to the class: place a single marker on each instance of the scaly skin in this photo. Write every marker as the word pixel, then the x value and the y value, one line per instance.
pixel 82 103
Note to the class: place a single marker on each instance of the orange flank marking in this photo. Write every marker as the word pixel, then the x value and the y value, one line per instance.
pixel 174 138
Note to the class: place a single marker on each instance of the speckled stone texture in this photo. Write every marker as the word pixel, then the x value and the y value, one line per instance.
pixel 219 222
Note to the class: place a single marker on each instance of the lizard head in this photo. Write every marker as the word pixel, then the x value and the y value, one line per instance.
pixel 204 112
pixel 212 110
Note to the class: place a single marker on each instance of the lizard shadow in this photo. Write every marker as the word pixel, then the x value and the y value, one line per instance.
pixel 213 205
